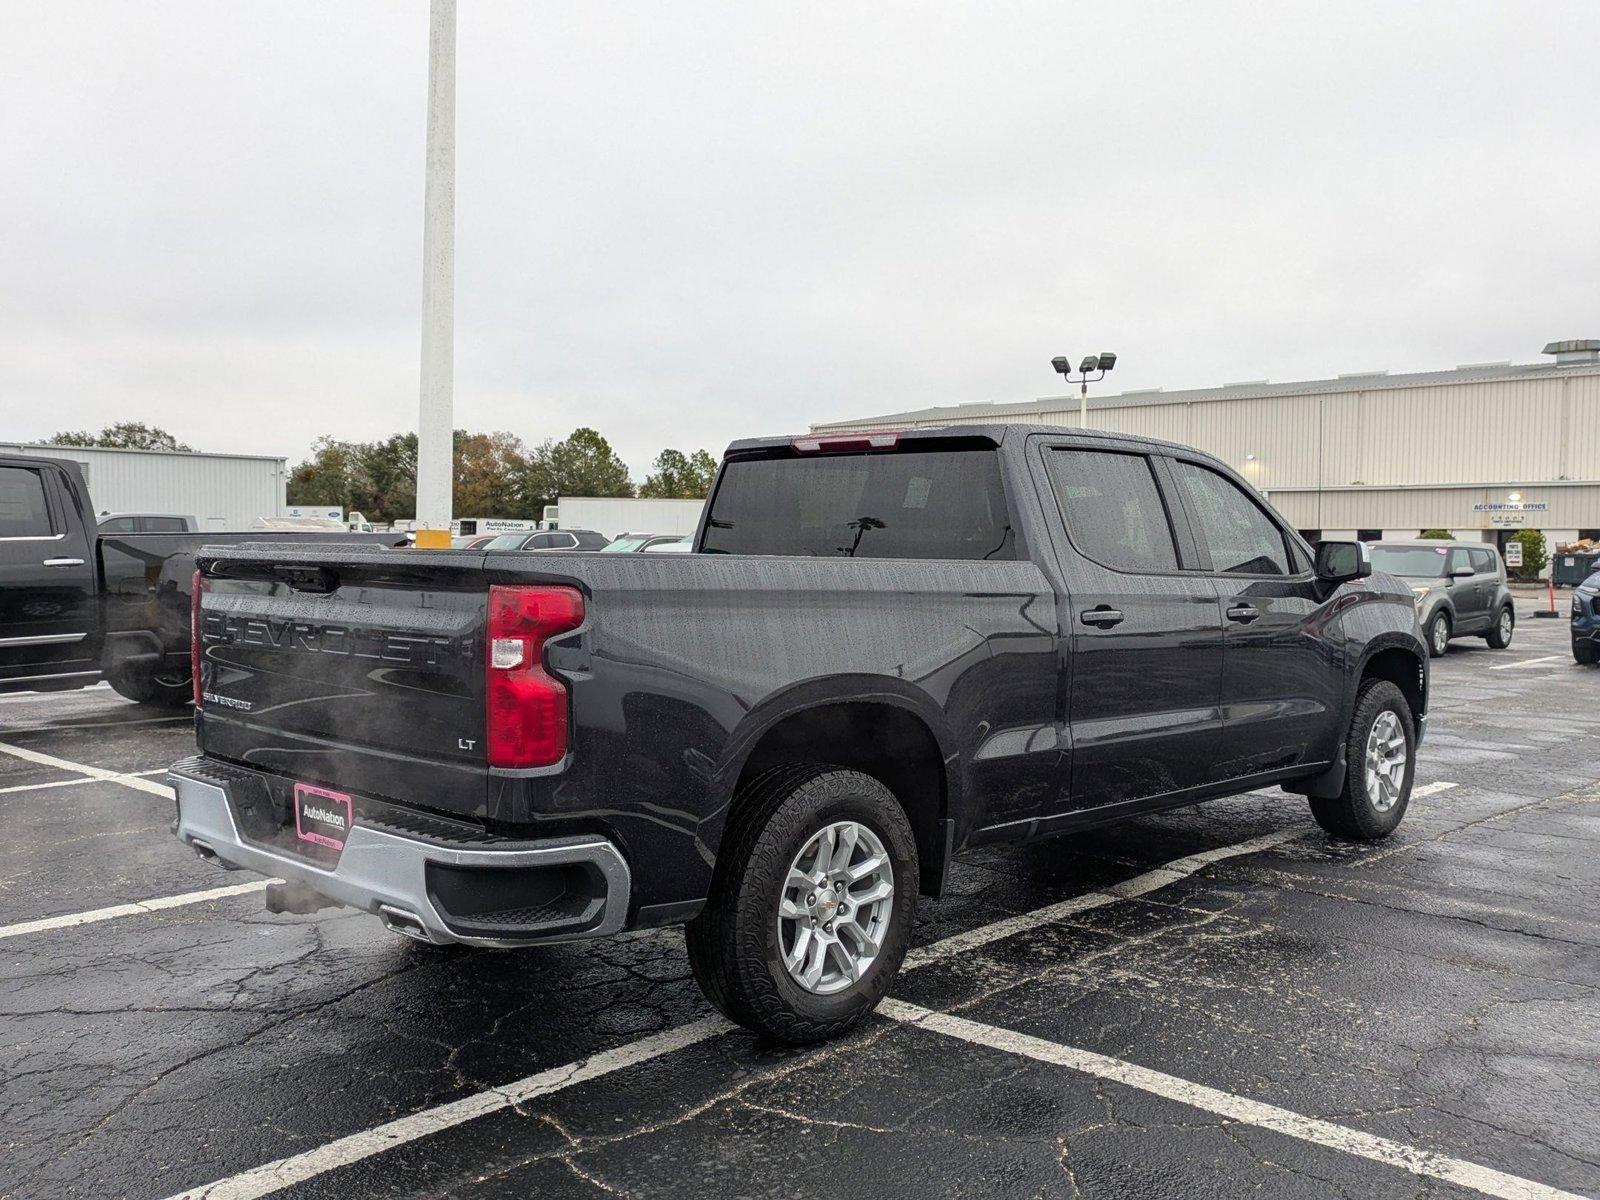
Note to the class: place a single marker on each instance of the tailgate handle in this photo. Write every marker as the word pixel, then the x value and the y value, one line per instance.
pixel 308 579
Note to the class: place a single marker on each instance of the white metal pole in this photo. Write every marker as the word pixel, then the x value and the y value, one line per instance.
pixel 435 467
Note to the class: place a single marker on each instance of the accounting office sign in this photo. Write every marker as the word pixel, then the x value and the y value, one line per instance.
pixel 1510 514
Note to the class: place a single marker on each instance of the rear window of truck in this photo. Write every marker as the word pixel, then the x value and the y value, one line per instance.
pixel 933 504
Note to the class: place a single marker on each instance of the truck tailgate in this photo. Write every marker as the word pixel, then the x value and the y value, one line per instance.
pixel 351 669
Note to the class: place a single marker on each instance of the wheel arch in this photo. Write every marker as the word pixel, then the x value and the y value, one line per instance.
pixel 882 728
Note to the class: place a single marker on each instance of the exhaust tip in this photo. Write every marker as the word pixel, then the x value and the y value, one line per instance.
pixel 398 920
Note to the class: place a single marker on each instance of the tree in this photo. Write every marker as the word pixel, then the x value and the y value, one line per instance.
pixel 1534 558
pixel 324 478
pixel 1440 535
pixel 676 476
pixel 378 479
pixel 124 435
pixel 489 469
pixel 584 464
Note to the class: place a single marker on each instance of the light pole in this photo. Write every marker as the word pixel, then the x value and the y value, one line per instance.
pixel 1094 362
pixel 435 457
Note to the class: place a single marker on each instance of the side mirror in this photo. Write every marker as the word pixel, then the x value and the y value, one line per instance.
pixel 1339 562
pixel 1461 573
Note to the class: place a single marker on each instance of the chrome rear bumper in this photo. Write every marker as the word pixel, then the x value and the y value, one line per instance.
pixel 388 875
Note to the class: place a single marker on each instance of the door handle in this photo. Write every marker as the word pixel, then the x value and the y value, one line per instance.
pixel 1102 615
pixel 62 562
pixel 1243 613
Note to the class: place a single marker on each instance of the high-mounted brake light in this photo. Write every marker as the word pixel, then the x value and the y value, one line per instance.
pixel 526 707
pixel 882 440
pixel 197 587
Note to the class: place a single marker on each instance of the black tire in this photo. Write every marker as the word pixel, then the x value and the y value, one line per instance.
pixel 1585 653
pixel 1439 628
pixel 143 686
pixel 1505 624
pixel 1353 813
pixel 735 949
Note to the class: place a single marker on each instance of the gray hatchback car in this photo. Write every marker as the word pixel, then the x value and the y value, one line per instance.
pixel 1460 589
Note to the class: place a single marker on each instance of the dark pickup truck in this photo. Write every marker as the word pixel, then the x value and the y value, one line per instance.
pixel 886 649
pixel 78 605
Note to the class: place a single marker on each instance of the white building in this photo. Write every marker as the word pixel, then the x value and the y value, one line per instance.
pixel 1480 450
pixel 225 491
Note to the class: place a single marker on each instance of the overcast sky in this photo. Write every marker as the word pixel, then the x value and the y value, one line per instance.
pixel 685 223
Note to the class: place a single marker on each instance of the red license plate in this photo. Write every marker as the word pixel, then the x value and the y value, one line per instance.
pixel 321 816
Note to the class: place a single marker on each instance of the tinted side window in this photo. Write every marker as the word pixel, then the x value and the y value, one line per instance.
pixel 1112 509
pixel 1242 539
pixel 165 525
pixel 117 525
pixel 1459 560
pixel 1483 562
pixel 934 504
pixel 23 512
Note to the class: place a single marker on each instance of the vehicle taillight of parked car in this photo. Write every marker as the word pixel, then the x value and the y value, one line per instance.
pixel 526 707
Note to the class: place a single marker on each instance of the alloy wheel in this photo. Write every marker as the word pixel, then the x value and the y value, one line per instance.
pixel 833 911
pixel 1385 761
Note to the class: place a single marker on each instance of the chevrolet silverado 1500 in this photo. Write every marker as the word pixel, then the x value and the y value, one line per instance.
pixel 885 650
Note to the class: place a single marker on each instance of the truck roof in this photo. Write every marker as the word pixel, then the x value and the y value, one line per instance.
pixel 996 433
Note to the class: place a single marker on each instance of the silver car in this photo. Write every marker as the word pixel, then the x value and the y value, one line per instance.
pixel 1460 589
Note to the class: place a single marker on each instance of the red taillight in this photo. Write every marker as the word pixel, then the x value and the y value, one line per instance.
pixel 881 440
pixel 526 708
pixel 197 587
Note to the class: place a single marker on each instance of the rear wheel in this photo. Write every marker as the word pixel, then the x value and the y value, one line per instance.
pixel 1439 634
pixel 1381 758
pixel 149 685
pixel 1499 636
pixel 811 904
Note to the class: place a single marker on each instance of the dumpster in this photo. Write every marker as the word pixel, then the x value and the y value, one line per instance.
pixel 1569 570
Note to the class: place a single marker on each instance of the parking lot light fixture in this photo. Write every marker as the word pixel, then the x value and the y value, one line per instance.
pixel 1092 364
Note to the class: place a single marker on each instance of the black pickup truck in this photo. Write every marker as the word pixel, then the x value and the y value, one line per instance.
pixel 886 649
pixel 78 605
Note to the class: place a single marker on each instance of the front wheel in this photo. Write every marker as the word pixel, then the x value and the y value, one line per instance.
pixel 1380 761
pixel 1585 652
pixel 1505 624
pixel 811 903
pixel 1439 634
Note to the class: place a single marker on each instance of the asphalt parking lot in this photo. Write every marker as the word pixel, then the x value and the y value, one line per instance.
pixel 1215 1002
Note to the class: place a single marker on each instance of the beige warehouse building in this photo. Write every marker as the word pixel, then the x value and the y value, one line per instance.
pixel 1481 450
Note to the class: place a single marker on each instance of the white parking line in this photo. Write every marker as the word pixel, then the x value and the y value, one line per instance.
pixel 1527 662
pixel 56 783
pixel 270 1177
pixel 1230 1107
pixel 1432 789
pixel 90 773
pixel 133 908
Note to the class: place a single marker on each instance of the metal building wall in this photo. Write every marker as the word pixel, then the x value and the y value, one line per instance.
pixel 225 491
pixel 1476 438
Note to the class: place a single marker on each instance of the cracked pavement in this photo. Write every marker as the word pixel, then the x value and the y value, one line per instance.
pixel 1441 990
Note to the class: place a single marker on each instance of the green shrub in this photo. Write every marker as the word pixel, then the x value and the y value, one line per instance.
pixel 1534 557
pixel 1443 535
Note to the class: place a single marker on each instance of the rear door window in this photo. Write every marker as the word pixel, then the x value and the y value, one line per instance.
pixel 1242 539
pixel 1485 562
pixel 23 511
pixel 1112 509
pixel 934 504
pixel 117 525
pixel 164 525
